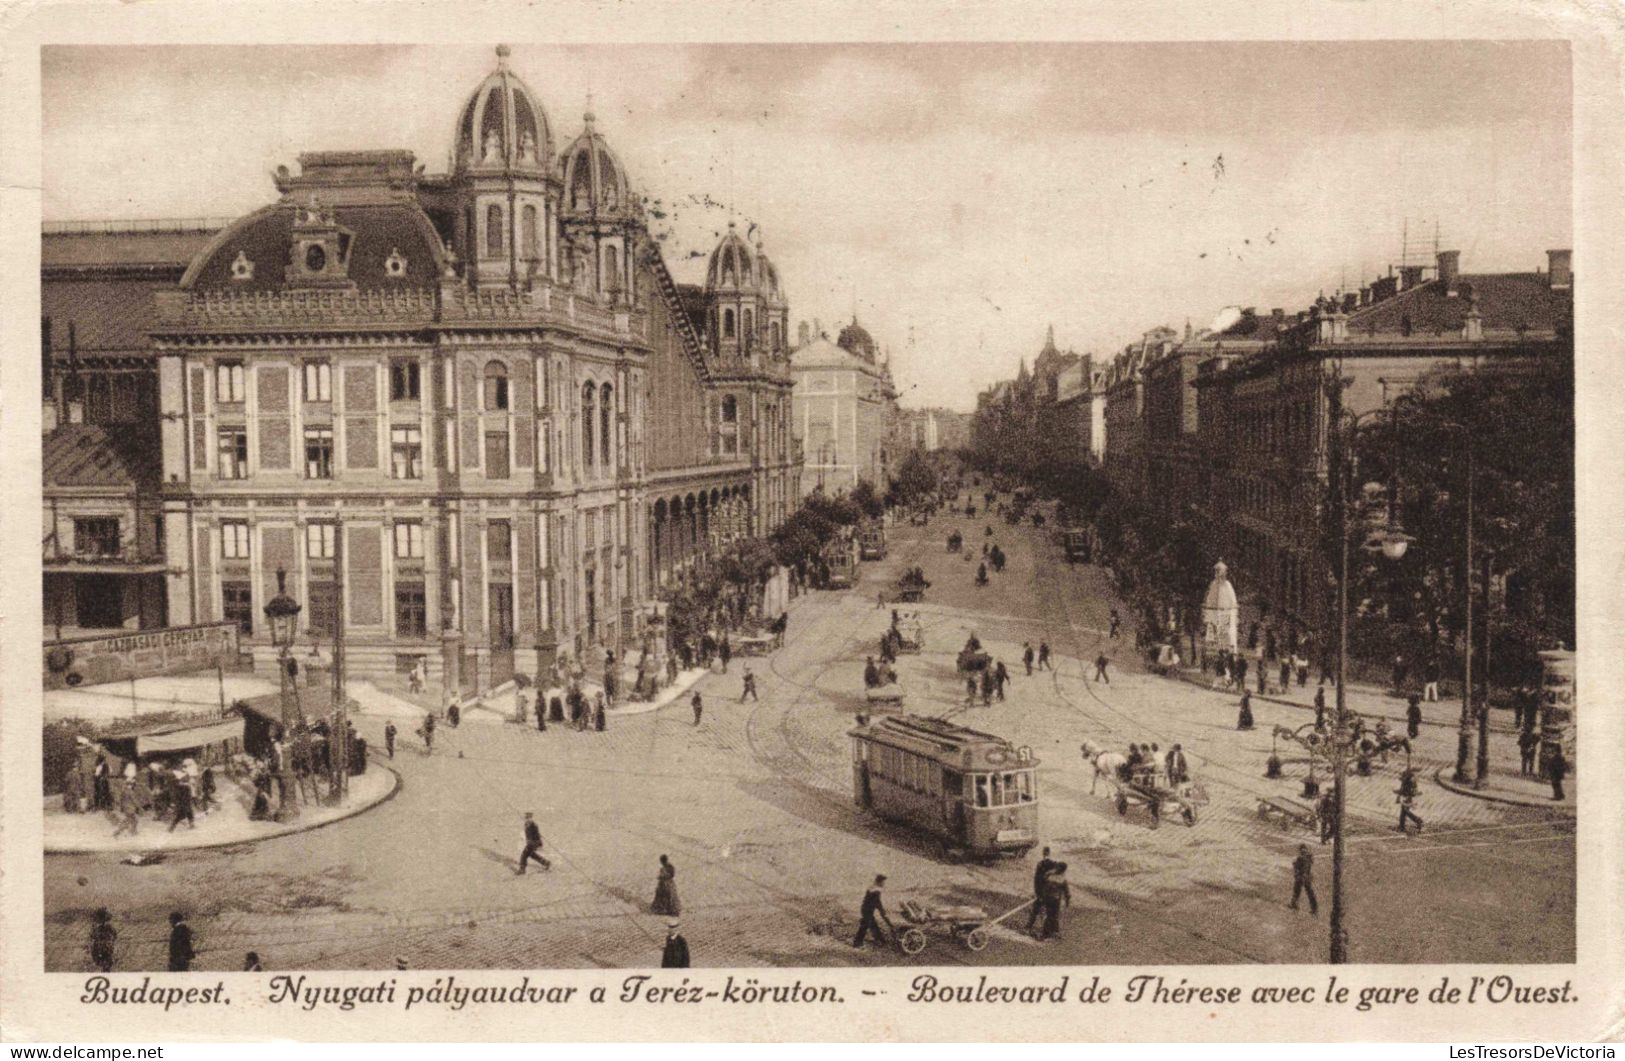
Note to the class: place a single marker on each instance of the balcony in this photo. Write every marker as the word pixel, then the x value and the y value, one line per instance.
pixel 101 558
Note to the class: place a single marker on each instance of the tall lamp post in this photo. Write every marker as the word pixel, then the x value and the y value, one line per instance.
pixel 1392 543
pixel 282 616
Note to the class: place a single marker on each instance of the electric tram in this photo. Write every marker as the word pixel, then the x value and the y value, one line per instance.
pixel 975 792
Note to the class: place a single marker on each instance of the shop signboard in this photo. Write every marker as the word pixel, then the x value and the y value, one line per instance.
pixel 80 661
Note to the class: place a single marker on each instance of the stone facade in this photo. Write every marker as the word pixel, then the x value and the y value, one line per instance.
pixel 459 410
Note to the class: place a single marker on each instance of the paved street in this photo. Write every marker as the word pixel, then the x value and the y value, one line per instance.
pixel 754 807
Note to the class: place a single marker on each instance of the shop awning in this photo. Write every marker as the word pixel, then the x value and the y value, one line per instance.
pixel 196 736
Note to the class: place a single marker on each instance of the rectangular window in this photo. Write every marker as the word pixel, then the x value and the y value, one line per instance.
pixel 319 540
pixel 411 613
pixel 318 381
pixel 233 453
pixel 408 540
pixel 228 382
pixel 237 605
pixel 96 537
pixel 406 452
pixel 496 455
pixel 234 540
pixel 405 381
pixel 318 453
pixel 499 542
pixel 323 610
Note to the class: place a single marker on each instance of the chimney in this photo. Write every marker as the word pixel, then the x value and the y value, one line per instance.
pixel 1449 268
pixel 1559 264
pixel 1384 288
pixel 1409 276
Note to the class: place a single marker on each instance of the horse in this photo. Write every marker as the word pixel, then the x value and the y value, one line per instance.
pixel 1107 764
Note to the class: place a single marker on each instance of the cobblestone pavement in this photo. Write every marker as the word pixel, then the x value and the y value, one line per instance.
pixel 754 807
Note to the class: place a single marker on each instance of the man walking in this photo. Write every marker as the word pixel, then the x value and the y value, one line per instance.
pixel 1406 794
pixel 750 685
pixel 1303 868
pixel 181 793
pixel 1430 685
pixel 1045 864
pixel 1320 707
pixel 389 738
pixel 427 733
pixel 873 907
pixel 698 705
pixel 970 689
pixel 1000 676
pixel 180 943
pixel 1413 717
pixel 726 651
pixel 1116 624
pixel 1043 656
pixel 675 953
pixel 1557 769
pixel 533 845
pixel 1027 656
pixel 1100 669
pixel 987 686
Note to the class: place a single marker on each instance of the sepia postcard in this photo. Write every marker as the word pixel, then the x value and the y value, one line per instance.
pixel 820 521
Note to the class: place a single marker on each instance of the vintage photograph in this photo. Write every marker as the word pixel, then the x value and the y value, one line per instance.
pixel 538 506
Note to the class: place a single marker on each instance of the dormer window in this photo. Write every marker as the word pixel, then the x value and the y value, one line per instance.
pixel 242 268
pixel 395 264
pixel 315 258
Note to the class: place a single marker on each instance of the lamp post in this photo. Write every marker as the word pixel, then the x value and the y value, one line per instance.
pixel 1392 542
pixel 282 616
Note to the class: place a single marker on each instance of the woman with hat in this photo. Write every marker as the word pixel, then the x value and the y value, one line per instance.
pixel 666 901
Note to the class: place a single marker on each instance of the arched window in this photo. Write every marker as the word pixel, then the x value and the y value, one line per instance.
pixel 727 324
pixel 730 426
pixel 589 415
pixel 496 387
pixel 612 268
pixel 493 231
pixel 606 428
pixel 528 231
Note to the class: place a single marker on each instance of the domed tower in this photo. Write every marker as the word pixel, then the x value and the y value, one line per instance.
pixel 602 218
pixel 856 340
pixel 774 327
pixel 502 167
pixel 733 295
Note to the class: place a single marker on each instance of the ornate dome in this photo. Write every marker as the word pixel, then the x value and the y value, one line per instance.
pixel 595 183
pixel 768 277
pixel 854 339
pixel 503 125
pixel 733 264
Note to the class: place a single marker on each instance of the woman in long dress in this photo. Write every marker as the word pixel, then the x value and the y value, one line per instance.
pixel 666 901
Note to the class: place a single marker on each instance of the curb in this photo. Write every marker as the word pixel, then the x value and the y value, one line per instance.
pixel 394 790
pixel 1441 775
pixel 1187 678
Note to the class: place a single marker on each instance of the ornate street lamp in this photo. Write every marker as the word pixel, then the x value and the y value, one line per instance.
pixel 282 616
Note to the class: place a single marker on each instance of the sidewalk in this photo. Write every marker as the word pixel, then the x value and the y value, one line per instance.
pixel 1505 783
pixel 224 826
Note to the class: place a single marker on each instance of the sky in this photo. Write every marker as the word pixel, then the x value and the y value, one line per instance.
pixel 958 198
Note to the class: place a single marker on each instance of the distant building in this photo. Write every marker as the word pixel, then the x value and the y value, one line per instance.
pixel 844 403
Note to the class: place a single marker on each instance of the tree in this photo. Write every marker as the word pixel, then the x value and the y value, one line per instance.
pixel 867 500
pixel 916 481
pixel 1513 425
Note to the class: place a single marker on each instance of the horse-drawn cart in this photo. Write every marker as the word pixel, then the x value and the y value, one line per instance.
pixel 1187 796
